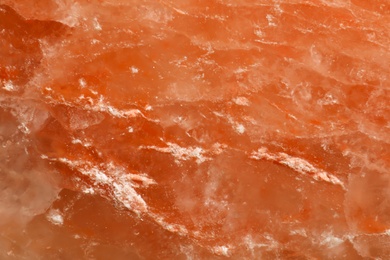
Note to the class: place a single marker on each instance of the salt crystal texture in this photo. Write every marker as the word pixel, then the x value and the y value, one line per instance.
pixel 194 129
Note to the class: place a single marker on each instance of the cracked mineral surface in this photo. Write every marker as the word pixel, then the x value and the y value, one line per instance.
pixel 194 129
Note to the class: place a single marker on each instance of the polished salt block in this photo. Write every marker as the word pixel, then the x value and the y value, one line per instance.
pixel 194 129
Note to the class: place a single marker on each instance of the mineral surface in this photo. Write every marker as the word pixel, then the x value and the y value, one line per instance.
pixel 194 129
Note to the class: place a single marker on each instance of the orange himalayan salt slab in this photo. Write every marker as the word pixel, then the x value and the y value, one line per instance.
pixel 194 129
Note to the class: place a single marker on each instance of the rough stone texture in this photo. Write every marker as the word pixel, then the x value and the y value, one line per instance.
pixel 247 129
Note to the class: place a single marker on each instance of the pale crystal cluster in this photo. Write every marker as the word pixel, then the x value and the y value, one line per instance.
pixel 194 129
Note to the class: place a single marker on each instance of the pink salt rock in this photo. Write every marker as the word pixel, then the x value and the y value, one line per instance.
pixel 194 129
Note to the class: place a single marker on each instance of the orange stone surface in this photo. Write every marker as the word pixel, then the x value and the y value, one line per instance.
pixel 194 129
